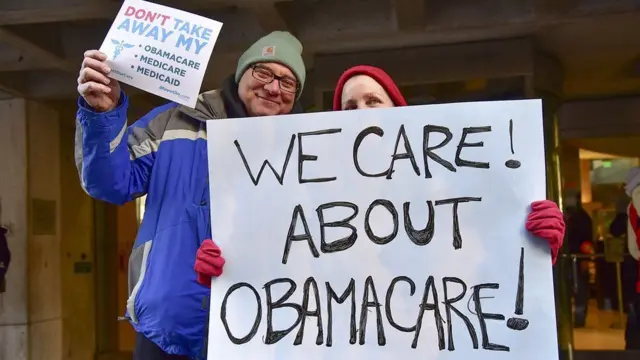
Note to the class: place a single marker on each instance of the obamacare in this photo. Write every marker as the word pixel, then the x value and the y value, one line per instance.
pixel 173 57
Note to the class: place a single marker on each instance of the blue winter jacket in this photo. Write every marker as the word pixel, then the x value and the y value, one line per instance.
pixel 162 155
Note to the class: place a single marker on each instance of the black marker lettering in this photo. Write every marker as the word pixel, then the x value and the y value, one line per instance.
pixel 407 155
pixel 448 303
pixel 419 237
pixel 429 286
pixel 298 212
pixel 273 336
pixel 279 177
pixel 304 157
pixel 517 323
pixel 466 131
pixel 369 300
pixel 412 290
pixel 364 310
pixel 394 217
pixel 428 151
pixel 356 146
pixel 345 242
pixel 457 238
pixel 331 295
pixel 223 314
pixel 482 317
pixel 310 283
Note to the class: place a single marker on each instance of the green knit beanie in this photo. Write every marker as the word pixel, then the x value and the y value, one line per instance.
pixel 279 47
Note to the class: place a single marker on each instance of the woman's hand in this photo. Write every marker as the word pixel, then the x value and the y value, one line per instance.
pixel 547 222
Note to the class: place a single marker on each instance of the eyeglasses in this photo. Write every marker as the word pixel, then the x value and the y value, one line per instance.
pixel 267 77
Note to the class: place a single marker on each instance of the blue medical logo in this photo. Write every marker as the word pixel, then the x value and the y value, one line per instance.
pixel 120 45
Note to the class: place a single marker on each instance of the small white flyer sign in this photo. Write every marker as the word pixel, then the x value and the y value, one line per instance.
pixel 161 50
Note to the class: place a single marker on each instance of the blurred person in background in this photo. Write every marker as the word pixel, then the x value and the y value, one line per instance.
pixel 632 188
pixel 580 242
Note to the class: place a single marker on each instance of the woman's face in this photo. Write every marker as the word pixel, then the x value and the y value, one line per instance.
pixel 363 92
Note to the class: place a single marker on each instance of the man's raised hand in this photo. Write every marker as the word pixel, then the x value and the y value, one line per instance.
pixel 94 85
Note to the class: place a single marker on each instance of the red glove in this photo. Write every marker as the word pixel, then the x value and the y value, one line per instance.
pixel 547 222
pixel 209 262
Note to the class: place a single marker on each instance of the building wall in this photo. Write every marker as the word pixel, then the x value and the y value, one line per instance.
pixel 601 118
pixel 13 199
pixel 44 273
pixel 77 253
pixel 47 310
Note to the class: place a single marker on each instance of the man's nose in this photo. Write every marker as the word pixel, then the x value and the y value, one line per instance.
pixel 273 87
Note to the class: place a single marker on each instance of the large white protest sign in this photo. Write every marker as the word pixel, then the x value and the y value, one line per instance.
pixel 381 234
pixel 160 50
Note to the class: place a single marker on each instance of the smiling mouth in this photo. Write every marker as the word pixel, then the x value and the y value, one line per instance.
pixel 268 100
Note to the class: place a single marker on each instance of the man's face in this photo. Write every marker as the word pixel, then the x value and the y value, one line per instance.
pixel 262 96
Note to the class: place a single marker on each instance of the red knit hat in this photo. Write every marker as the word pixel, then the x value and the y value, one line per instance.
pixel 378 75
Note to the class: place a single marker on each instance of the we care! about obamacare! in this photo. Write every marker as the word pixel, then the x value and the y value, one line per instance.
pixel 453 289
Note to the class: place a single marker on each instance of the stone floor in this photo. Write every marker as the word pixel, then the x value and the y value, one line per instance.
pixel 599 334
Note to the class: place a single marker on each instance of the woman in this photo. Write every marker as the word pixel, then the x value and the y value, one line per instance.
pixel 363 86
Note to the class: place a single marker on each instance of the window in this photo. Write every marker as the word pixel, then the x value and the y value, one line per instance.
pixel 611 171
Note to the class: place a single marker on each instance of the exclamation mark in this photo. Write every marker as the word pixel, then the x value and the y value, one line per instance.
pixel 516 323
pixel 512 164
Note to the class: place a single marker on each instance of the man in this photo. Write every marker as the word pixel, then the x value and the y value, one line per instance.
pixel 580 240
pixel 632 188
pixel 164 155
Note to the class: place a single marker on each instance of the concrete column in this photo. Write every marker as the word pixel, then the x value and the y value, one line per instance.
pixel 14 313
pixel 47 311
pixel 30 310
pixel 45 295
